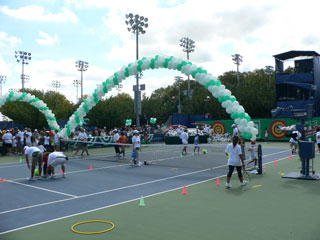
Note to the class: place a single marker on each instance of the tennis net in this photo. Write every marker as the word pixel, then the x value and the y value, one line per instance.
pixel 208 156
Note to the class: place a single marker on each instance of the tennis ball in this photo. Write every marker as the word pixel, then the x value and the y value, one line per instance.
pixel 36 172
pixel 204 151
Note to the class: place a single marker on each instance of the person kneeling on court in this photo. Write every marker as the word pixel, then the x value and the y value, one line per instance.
pixel 36 155
pixel 235 159
pixel 55 159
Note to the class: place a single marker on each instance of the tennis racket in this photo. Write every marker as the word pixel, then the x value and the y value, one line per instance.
pixel 246 176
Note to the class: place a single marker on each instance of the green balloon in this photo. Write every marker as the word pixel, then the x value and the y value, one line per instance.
pixel 241 115
pixel 234 115
pixel 247 117
pixel 233 99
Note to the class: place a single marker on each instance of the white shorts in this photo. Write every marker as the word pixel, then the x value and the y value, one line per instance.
pixel 185 143
pixel 57 161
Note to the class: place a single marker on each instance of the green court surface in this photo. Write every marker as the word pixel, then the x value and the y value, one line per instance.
pixel 269 208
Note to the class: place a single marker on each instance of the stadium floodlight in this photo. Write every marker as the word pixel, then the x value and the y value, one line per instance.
pixel 56 84
pixel 136 25
pixel 24 58
pixel 82 67
pixel 237 59
pixel 188 46
pixel 3 80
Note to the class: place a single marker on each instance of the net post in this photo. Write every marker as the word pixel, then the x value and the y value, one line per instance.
pixel 259 159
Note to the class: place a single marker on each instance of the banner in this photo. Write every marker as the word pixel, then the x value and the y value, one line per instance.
pixel 263 124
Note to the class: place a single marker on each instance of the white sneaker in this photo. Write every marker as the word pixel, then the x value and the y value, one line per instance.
pixel 31 179
pixel 139 164
pixel 228 185
pixel 244 183
pixel 132 162
pixel 53 176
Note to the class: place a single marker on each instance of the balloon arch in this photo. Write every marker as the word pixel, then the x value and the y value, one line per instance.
pixel 218 90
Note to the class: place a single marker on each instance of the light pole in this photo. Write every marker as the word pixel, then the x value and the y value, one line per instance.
pixel 3 80
pixel 237 59
pixel 136 25
pixel 188 47
pixel 76 83
pixel 56 84
pixel 24 58
pixel 82 67
pixel 269 70
pixel 179 80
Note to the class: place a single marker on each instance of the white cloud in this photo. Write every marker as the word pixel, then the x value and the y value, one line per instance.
pixel 46 39
pixel 5 39
pixel 37 13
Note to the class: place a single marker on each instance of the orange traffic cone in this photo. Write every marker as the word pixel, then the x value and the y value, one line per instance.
pixel 91 166
pixel 290 156
pixel 276 161
pixel 184 191
pixel 218 182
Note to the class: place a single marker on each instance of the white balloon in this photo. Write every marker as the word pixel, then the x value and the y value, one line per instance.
pixel 241 128
pixel 243 122
pixel 224 104
pixel 236 104
pixel 254 131
pixel 250 124
pixel 253 138
pixel 248 129
pixel 237 121
pixel 229 110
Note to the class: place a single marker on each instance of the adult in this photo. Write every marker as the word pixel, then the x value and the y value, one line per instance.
pixel 116 137
pixel 235 160
pixel 55 159
pixel 184 138
pixel 7 143
pixel 82 136
pixel 35 154
pixel 235 131
pixel 136 147
pixel 28 135
pixel 20 141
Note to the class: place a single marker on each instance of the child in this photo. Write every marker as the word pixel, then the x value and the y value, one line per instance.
pixel 123 140
pixel 196 143
pixel 253 158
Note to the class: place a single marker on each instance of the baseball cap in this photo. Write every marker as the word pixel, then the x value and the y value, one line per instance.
pixel 233 125
pixel 136 131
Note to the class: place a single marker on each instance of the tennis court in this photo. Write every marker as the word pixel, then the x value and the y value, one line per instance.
pixel 99 189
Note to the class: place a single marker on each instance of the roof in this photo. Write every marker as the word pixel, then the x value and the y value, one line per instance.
pixel 293 54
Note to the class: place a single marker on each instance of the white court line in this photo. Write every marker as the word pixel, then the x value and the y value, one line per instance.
pixel 116 189
pixel 43 189
pixel 120 203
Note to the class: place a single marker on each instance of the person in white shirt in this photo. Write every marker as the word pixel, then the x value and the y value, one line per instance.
pixel 318 139
pixel 294 139
pixel 81 145
pixel 55 159
pixel 136 148
pixel 235 130
pixel 206 130
pixel 184 138
pixel 7 142
pixel 116 137
pixel 20 143
pixel 35 154
pixel 28 136
pixel 235 160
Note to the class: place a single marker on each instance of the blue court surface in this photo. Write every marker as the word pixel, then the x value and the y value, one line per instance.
pixel 26 203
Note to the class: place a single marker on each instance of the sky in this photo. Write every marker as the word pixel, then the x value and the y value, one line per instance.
pixel 59 32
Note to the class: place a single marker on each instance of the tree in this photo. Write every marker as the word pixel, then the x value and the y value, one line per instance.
pixel 24 113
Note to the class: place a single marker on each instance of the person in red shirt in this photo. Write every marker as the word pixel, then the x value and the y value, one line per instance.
pixel 123 140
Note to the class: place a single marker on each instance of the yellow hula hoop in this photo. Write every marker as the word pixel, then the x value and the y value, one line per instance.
pixel 91 221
